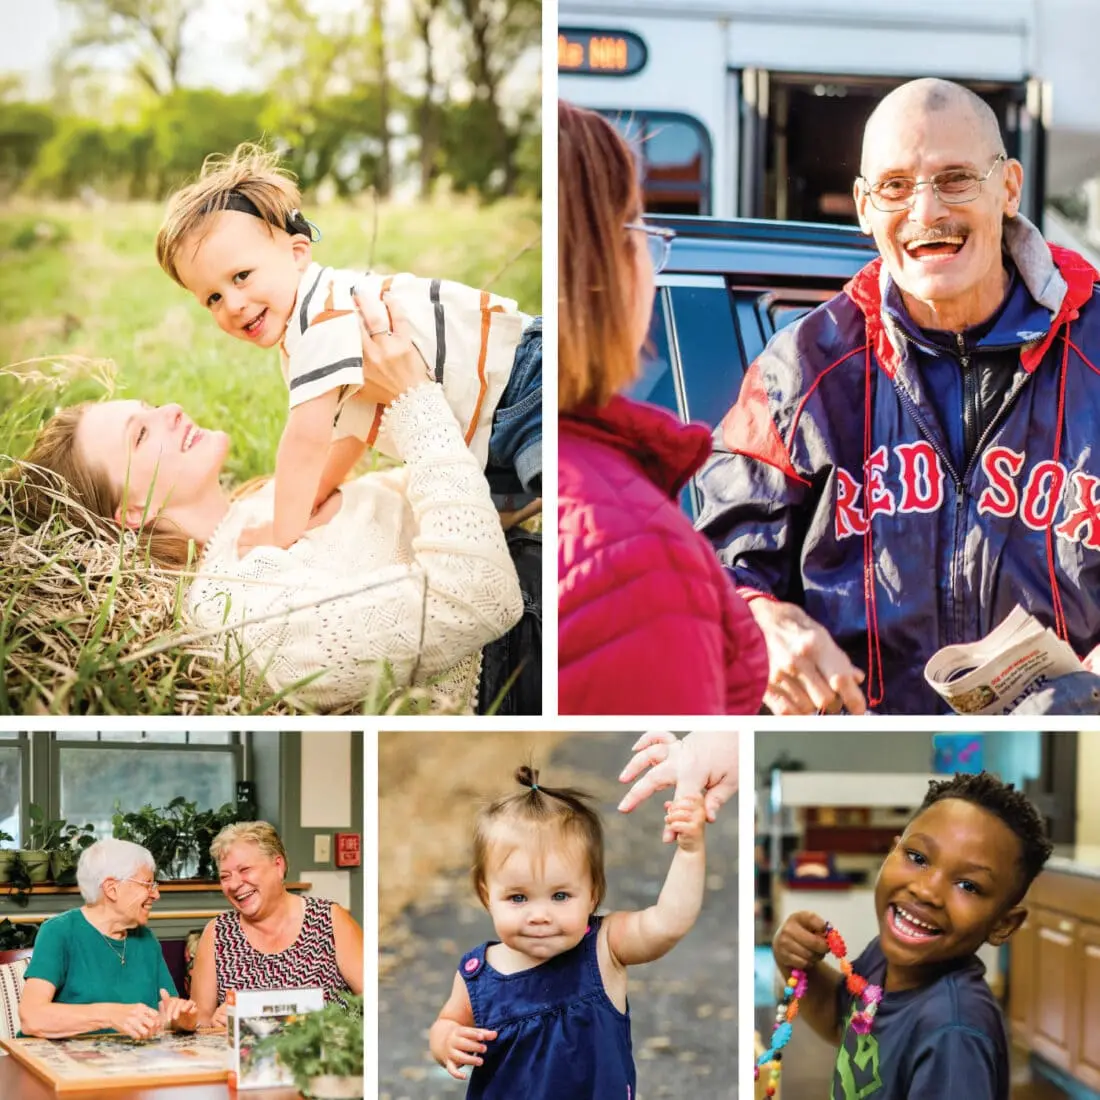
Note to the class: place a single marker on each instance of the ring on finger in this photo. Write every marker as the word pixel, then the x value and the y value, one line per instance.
pixel 380 332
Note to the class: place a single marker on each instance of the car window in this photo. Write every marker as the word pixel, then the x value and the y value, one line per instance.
pixel 783 314
pixel 780 308
pixel 710 354
pixel 750 323
pixel 656 382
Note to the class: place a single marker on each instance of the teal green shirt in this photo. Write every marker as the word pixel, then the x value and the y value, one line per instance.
pixel 85 967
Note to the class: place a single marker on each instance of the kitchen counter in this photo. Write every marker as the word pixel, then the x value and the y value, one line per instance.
pixel 1075 859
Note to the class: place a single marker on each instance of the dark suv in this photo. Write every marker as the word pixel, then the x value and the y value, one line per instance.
pixel 727 287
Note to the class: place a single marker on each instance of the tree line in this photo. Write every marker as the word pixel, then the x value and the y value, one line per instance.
pixel 364 98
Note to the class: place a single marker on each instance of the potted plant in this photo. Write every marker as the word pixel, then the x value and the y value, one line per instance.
pixel 42 837
pixel 14 937
pixel 69 843
pixel 7 857
pixel 166 833
pixel 207 824
pixel 323 1050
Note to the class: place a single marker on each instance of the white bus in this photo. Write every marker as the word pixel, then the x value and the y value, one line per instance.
pixel 755 109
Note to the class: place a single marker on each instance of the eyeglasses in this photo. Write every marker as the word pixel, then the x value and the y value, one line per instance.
pixel 150 887
pixel 954 187
pixel 658 241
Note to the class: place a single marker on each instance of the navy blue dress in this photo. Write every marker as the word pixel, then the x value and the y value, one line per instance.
pixel 558 1034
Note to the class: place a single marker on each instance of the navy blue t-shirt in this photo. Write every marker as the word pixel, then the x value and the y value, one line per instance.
pixel 946 1039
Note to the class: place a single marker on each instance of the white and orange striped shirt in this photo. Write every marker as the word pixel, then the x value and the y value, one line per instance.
pixel 467 337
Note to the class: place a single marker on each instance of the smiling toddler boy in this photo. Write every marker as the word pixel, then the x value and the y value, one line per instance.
pixel 953 881
pixel 238 241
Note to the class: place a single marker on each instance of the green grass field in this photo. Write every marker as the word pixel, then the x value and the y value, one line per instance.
pixel 84 282
pixel 86 626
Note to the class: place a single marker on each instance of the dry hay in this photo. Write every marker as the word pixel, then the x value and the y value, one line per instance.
pixel 81 604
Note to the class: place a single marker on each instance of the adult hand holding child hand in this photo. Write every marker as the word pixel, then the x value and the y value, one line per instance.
pixel 703 761
pixel 686 820
pixel 800 943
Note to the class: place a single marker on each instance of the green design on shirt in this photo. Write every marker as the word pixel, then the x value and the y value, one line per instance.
pixel 860 1066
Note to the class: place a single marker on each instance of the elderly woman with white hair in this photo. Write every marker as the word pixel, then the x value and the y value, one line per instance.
pixel 99 968
pixel 270 938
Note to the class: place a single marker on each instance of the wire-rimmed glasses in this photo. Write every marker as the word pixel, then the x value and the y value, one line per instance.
pixel 954 186
pixel 658 241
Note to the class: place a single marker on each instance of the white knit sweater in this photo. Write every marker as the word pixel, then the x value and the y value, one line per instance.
pixel 403 586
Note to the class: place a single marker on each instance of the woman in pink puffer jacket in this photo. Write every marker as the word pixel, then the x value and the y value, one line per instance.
pixel 648 622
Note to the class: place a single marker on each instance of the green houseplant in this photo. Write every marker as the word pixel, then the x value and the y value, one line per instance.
pixel 178 835
pixel 166 833
pixel 43 836
pixel 323 1050
pixel 207 824
pixel 14 937
pixel 7 857
pixel 70 841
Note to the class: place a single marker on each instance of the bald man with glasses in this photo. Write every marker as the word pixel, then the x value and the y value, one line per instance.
pixel 918 455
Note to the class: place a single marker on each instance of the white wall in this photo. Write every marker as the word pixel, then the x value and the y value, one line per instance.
pixel 1088 788
pixel 325 802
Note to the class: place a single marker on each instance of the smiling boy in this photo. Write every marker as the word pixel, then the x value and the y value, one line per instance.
pixel 237 240
pixel 953 881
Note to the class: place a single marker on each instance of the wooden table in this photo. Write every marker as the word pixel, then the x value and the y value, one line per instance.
pixel 19 1083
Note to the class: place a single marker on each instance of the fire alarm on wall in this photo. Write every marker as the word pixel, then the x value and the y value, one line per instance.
pixel 347 850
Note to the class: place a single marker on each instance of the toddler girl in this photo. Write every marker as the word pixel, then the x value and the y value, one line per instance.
pixel 542 1011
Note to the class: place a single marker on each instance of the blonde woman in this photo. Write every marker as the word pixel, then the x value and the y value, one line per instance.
pixel 405 574
pixel 270 938
pixel 98 967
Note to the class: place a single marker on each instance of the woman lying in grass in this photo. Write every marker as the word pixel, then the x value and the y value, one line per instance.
pixel 402 577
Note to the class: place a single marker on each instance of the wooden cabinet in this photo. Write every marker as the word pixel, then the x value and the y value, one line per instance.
pixel 1054 975
pixel 1088 1021
pixel 1021 981
pixel 1054 1015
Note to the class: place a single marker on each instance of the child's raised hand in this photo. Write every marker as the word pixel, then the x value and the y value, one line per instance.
pixel 686 820
pixel 800 943
pixel 464 1047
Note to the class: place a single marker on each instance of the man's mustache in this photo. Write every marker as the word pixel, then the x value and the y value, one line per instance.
pixel 932 233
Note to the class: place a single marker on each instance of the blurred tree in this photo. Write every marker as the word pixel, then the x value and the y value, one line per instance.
pixel 80 154
pixel 498 33
pixel 152 31
pixel 424 14
pixel 24 129
pixel 384 177
pixel 329 119
pixel 191 123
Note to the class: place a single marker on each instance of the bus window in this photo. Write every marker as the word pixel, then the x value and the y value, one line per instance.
pixel 674 156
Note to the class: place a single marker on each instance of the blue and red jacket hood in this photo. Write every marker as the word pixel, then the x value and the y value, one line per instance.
pixel 1056 278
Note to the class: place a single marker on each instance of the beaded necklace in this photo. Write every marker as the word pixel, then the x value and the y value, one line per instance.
pixel 795 990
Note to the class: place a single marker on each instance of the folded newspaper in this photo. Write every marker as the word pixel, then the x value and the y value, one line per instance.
pixel 995 674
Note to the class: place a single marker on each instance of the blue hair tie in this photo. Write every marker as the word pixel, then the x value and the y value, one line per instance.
pixel 534 786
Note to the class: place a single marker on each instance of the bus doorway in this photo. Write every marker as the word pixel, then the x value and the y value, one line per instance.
pixel 806 131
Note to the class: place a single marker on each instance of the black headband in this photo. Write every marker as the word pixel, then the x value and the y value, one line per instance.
pixel 295 222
